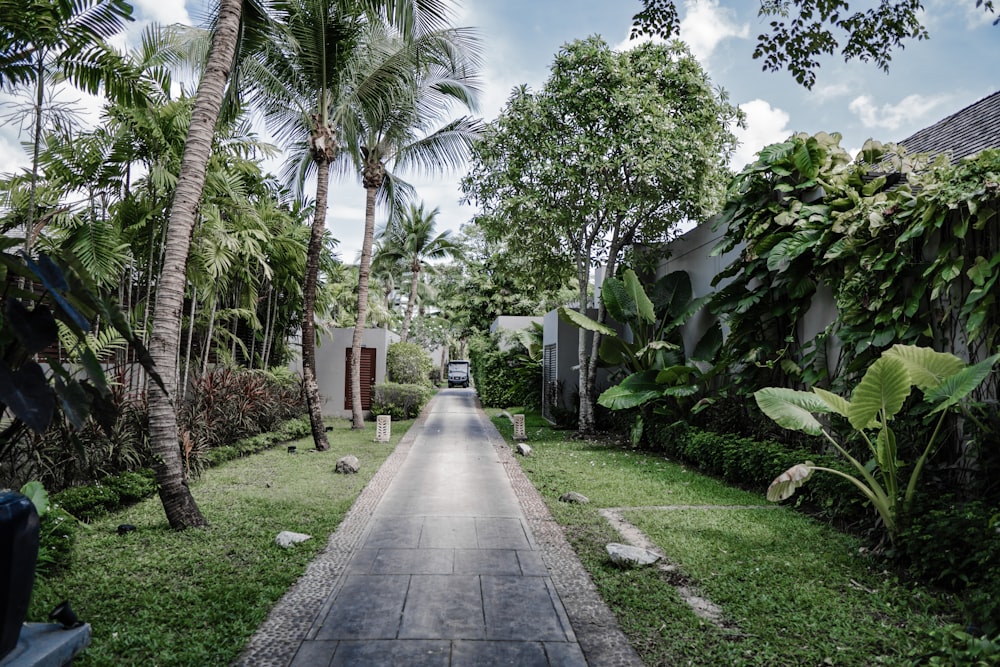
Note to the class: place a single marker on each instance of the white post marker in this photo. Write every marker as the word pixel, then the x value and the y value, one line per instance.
pixel 383 428
pixel 519 433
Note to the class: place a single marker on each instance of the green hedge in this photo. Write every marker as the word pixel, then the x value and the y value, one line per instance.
pixel 497 381
pixel 400 401
pixel 408 363
pixel 752 464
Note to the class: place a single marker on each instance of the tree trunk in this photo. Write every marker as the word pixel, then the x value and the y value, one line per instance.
pixel 310 384
pixel 178 503
pixel 585 419
pixel 408 317
pixel 357 416
pixel 208 337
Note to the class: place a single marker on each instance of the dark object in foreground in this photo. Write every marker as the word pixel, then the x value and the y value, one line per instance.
pixel 19 526
pixel 126 528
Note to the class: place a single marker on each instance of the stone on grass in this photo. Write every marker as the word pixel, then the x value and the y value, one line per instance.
pixel 574 497
pixel 287 538
pixel 523 449
pixel 348 464
pixel 625 555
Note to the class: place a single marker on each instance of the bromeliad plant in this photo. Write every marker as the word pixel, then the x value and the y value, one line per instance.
pixel 658 371
pixel 944 381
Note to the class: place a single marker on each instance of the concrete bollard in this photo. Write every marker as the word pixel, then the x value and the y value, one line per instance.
pixel 519 433
pixel 383 428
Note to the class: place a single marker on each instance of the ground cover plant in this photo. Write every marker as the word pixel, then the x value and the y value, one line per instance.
pixel 791 590
pixel 159 597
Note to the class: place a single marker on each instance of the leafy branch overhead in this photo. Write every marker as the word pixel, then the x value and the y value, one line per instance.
pixel 801 31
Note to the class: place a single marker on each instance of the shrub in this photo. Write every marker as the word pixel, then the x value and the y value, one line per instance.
pixel 951 544
pixel 399 401
pixel 132 487
pixel 87 502
pixel 753 464
pixel 493 371
pixel 56 536
pixel 408 363
pixel 229 404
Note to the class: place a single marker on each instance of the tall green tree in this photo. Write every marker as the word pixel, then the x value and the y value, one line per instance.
pixel 410 243
pixel 405 133
pixel 801 31
pixel 616 149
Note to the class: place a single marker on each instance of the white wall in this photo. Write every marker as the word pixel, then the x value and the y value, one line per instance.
pixel 331 364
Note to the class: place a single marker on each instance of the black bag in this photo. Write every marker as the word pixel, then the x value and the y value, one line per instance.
pixel 19 526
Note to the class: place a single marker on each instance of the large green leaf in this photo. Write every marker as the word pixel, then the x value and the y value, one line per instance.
pixel 926 367
pixel 671 293
pixel 634 390
pixel 837 404
pixel 584 322
pixel 792 409
pixel 708 347
pixel 643 306
pixel 959 385
pixel 614 351
pixel 883 388
pixel 619 303
pixel 39 497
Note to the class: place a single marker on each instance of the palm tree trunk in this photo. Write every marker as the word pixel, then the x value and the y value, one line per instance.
pixel 357 416
pixel 409 306
pixel 178 503
pixel 309 381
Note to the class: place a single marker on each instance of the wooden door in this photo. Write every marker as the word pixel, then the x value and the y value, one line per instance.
pixel 367 378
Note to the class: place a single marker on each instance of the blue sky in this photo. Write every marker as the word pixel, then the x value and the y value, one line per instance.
pixel 927 81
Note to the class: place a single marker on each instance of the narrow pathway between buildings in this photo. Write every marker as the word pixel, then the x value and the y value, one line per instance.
pixel 449 557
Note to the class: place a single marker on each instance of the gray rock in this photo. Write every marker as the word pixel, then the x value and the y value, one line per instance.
pixel 348 464
pixel 523 449
pixel 626 555
pixel 574 497
pixel 287 538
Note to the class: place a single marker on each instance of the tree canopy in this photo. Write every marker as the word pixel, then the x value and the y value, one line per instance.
pixel 617 148
pixel 800 31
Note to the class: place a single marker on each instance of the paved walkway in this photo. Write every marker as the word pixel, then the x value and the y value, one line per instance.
pixel 449 557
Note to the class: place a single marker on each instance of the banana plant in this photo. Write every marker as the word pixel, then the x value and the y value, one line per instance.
pixel 943 379
pixel 654 359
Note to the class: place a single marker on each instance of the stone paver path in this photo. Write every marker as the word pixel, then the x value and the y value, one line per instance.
pixel 449 558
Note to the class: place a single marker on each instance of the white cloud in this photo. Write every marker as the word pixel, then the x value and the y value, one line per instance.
pixel 765 125
pixel 829 91
pixel 705 24
pixel 910 110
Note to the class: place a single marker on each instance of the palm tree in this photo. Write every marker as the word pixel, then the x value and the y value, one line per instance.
pixel 303 82
pixel 43 40
pixel 401 134
pixel 410 242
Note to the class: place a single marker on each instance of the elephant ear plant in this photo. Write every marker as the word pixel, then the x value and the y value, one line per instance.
pixel 944 381
pixel 658 373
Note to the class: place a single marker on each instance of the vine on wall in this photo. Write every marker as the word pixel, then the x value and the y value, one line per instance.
pixel 909 248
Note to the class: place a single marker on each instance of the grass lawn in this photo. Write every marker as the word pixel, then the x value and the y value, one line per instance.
pixel 156 597
pixel 792 591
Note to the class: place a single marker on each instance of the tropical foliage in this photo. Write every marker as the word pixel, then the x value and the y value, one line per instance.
pixel 943 380
pixel 805 217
